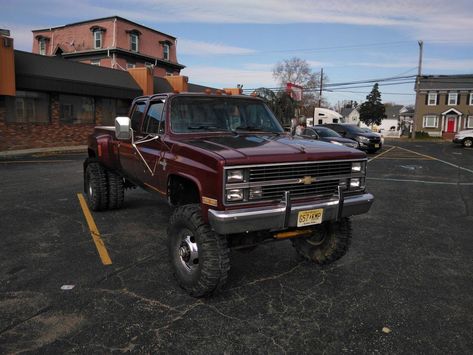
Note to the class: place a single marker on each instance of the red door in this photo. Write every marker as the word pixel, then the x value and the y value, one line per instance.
pixel 451 124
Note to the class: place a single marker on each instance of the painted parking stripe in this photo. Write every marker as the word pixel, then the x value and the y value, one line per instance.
pixel 94 232
pixel 33 161
pixel 440 160
pixel 381 154
pixel 423 181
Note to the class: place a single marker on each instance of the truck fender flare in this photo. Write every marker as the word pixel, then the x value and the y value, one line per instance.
pixel 188 177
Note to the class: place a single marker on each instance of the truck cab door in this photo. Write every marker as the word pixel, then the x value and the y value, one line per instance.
pixel 152 167
pixel 129 159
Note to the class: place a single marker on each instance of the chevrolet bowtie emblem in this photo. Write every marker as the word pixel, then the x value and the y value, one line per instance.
pixel 307 180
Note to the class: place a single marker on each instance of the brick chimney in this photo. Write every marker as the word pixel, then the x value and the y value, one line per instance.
pixel 7 64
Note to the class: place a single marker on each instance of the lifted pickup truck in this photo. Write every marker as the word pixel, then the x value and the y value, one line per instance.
pixel 234 178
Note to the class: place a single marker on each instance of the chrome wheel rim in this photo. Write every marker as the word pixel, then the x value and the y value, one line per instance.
pixel 468 143
pixel 188 253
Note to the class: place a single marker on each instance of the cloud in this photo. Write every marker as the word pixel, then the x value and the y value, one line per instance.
pixel 22 36
pixel 186 46
pixel 227 77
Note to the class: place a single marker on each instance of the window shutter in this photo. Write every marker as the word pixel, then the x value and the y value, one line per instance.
pixel 458 99
pixel 446 99
pixel 438 98
pixel 427 98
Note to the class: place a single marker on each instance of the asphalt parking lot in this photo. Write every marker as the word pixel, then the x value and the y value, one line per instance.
pixel 409 270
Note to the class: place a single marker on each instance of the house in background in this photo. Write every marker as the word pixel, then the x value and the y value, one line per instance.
pixel 406 117
pixel 390 125
pixel 351 115
pixel 444 104
pixel 112 42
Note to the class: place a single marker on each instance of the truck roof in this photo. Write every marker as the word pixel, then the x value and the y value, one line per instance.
pixel 198 94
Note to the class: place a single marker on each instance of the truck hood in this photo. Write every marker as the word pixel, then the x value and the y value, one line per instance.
pixel 258 149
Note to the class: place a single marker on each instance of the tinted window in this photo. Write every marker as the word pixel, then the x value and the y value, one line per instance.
pixel 354 129
pixel 309 132
pixel 137 115
pixel 154 121
pixel 210 114
pixel 326 132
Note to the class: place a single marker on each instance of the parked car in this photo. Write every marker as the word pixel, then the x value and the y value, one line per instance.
pixel 371 142
pixel 328 135
pixel 464 138
pixel 368 130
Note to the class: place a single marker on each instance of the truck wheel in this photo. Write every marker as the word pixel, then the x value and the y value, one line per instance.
pixel 468 142
pixel 116 190
pixel 199 256
pixel 96 187
pixel 328 244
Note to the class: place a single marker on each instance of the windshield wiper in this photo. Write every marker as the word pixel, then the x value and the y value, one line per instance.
pixel 203 127
pixel 248 128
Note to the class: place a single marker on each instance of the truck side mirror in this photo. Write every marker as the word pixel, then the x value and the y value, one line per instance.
pixel 122 128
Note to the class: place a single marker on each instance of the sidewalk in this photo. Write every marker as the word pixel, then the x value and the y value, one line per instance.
pixel 10 154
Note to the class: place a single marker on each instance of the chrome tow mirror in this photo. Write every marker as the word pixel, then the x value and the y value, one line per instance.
pixel 122 128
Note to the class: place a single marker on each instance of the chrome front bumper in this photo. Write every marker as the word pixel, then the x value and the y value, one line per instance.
pixel 285 214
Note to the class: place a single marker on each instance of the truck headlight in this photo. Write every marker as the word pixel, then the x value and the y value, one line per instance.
pixel 256 193
pixel 235 195
pixel 354 183
pixel 235 175
pixel 363 139
pixel 358 167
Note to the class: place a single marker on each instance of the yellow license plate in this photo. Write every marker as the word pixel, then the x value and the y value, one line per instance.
pixel 307 218
pixel 376 145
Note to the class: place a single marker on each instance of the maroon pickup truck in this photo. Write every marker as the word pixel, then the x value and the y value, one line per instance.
pixel 234 178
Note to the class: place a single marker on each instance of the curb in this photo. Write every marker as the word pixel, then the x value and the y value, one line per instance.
pixel 41 151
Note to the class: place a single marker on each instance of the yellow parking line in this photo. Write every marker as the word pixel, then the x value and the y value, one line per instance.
pixel 33 161
pixel 381 154
pixel 94 232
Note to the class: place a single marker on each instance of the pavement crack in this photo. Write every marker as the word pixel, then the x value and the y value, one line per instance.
pixel 269 278
pixel 16 324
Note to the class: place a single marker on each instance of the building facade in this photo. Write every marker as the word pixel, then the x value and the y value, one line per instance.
pixel 444 104
pixel 112 42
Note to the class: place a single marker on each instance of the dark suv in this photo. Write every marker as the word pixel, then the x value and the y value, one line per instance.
pixel 371 142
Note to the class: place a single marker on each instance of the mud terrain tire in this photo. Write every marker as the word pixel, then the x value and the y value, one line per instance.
pixel 116 190
pixel 328 244
pixel 96 188
pixel 199 257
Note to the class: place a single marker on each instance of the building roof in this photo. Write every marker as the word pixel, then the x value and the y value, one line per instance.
pixel 44 73
pixel 161 85
pixel 346 111
pixel 104 19
pixel 446 82
pixel 392 111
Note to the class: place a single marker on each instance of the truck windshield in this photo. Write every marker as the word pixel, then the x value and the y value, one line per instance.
pixel 221 114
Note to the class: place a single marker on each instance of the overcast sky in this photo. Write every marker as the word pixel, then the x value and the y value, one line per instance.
pixel 225 43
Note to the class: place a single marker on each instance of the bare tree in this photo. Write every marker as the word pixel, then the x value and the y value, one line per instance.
pixel 298 71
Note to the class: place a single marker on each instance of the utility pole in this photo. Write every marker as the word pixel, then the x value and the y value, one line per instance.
pixel 419 73
pixel 321 83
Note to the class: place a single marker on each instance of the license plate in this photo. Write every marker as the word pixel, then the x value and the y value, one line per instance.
pixel 376 145
pixel 307 218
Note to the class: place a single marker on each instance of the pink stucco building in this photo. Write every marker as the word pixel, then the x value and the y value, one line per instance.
pixel 112 42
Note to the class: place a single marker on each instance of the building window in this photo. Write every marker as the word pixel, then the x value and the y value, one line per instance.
pixel 166 51
pixel 97 39
pixel 130 65
pixel 431 122
pixel 76 109
pixel 28 107
pixel 95 62
pixel 471 99
pixel 42 46
pixel 469 122
pixel 110 109
pixel 452 98
pixel 134 42
pixel 432 101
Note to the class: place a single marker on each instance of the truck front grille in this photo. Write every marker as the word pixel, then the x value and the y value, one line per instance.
pixel 322 189
pixel 299 171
